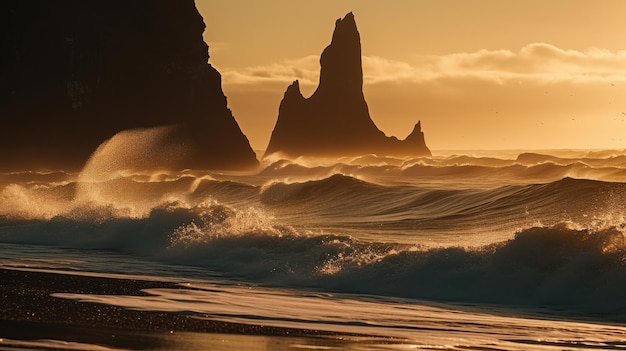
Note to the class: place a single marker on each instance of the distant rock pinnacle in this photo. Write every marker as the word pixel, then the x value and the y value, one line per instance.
pixel 335 120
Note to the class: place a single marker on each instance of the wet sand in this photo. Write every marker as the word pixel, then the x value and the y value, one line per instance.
pixel 28 312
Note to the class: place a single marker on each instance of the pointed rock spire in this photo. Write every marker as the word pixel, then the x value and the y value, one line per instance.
pixel 416 138
pixel 341 60
pixel 335 120
pixel 294 89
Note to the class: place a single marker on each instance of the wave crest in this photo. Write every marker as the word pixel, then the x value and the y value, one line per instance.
pixel 219 221
pixel 337 185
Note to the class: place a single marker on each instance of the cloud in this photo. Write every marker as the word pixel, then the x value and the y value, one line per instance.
pixel 305 69
pixel 537 62
pixel 378 69
pixel 540 96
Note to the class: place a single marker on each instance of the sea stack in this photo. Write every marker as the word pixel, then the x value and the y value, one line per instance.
pixel 75 73
pixel 335 120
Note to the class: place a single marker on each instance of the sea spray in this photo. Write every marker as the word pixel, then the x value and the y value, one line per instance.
pixel 556 243
pixel 560 265
pixel 132 150
pixel 104 178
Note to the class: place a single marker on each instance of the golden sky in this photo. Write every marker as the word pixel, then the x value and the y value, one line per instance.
pixel 480 74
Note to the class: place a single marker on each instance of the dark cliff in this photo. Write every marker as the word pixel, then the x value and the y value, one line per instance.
pixel 335 120
pixel 75 72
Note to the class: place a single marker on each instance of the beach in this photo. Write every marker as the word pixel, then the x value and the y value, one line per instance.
pixel 29 312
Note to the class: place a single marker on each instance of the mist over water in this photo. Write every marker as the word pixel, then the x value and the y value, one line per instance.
pixel 528 229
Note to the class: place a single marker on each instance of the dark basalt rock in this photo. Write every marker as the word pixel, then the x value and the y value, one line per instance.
pixel 335 120
pixel 74 73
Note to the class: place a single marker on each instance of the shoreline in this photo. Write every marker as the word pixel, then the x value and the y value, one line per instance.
pixel 29 312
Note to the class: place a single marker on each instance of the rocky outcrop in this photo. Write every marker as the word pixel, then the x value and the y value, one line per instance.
pixel 75 73
pixel 335 120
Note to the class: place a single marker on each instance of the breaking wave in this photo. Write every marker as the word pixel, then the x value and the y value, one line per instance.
pixel 560 265
pixel 405 228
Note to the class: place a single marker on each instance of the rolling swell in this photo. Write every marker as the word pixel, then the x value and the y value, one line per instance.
pixel 552 265
pixel 341 203
pixel 486 171
pixel 358 203
pixel 369 225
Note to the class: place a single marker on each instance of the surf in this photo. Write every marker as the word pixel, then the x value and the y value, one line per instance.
pixel 463 228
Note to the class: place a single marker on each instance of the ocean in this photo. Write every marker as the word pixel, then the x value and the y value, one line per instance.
pixel 506 250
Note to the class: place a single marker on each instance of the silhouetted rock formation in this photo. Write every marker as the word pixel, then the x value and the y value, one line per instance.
pixel 74 73
pixel 335 120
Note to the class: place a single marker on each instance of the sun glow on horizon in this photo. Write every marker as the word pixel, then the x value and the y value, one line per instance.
pixel 474 82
